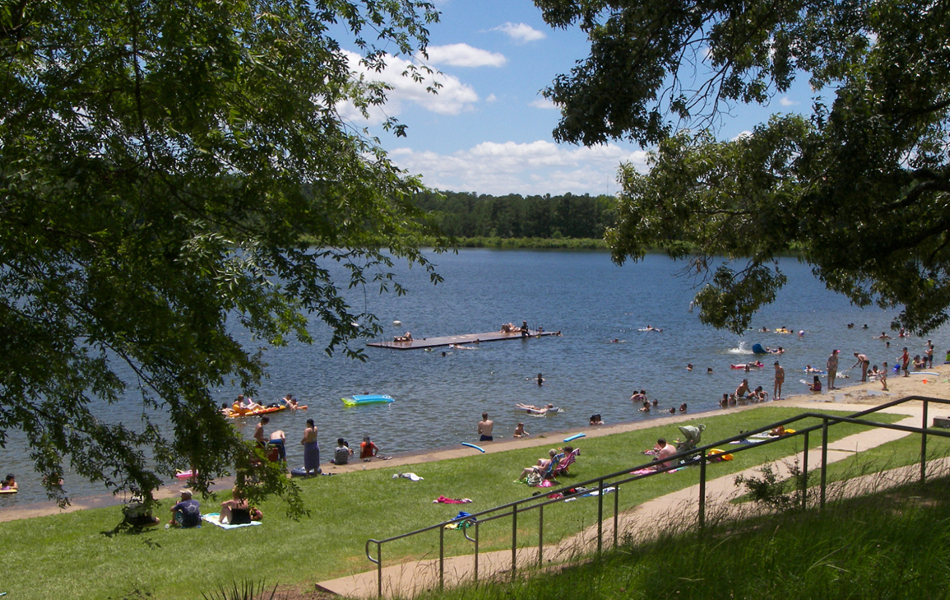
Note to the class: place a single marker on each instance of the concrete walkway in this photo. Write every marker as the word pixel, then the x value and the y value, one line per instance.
pixel 411 578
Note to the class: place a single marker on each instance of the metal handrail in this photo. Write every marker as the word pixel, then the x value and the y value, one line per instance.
pixel 607 483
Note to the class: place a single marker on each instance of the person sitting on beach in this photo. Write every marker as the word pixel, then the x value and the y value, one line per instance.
pixel 235 511
pixel 187 513
pixel 520 432
pixel 136 514
pixel 342 453
pixel 918 365
pixel 8 483
pixel 663 452
pixel 816 385
pixel 596 419
pixel 368 449
pixel 759 395
pixel 543 465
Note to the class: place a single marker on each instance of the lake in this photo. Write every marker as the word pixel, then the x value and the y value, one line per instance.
pixel 439 398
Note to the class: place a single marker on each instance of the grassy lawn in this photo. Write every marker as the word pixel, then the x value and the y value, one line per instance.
pixel 70 556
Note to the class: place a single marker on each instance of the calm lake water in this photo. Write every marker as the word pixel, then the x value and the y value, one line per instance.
pixel 439 399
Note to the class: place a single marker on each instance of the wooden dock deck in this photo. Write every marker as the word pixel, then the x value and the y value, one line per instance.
pixel 467 338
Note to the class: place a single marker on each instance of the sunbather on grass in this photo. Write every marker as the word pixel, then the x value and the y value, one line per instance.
pixel 543 466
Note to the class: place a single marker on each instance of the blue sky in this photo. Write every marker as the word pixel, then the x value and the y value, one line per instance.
pixel 488 130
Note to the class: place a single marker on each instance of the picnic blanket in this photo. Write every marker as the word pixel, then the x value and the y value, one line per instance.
pixel 213 519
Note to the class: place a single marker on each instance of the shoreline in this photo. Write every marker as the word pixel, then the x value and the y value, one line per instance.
pixel 866 394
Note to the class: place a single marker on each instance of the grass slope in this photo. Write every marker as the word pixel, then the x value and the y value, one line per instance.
pixel 883 546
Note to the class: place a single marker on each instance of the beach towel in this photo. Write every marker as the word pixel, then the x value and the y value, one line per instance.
pixel 444 500
pixel 461 524
pixel 643 471
pixel 213 519
pixel 409 476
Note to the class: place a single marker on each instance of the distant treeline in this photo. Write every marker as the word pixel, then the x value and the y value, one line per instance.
pixel 467 215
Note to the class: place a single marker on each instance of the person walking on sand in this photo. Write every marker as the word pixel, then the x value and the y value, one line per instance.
pixel 929 356
pixel 884 377
pixel 484 428
pixel 905 361
pixel 864 362
pixel 832 366
pixel 779 380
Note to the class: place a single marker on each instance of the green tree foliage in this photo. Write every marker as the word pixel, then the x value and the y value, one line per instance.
pixel 467 215
pixel 160 163
pixel 858 187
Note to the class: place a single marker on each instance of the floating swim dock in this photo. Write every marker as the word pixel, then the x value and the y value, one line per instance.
pixel 467 338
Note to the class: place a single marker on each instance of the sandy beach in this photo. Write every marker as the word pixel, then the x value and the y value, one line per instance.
pixel 871 393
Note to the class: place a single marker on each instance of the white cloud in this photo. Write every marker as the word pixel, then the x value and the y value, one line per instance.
pixel 463 55
pixel 520 32
pixel 786 101
pixel 452 98
pixel 491 98
pixel 742 135
pixel 543 103
pixel 539 167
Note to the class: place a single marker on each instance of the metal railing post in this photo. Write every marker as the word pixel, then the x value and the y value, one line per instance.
pixel 541 536
pixel 514 539
pixel 805 473
pixel 616 513
pixel 476 551
pixel 702 491
pixel 379 570
pixel 923 447
pixel 600 517
pixel 442 557
pixel 824 460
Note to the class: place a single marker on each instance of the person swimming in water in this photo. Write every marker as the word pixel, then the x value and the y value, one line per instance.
pixel 538 410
